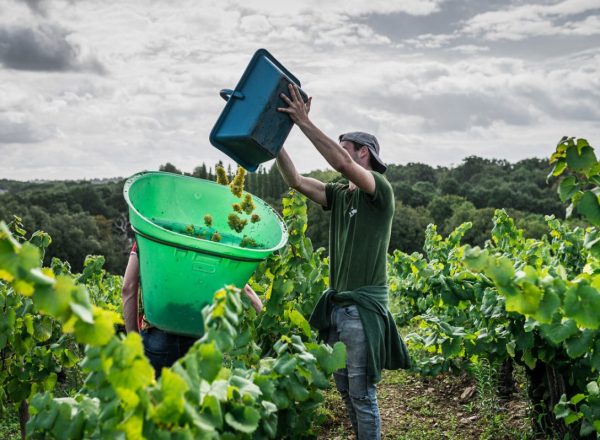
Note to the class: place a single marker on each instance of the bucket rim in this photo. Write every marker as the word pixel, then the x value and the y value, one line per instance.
pixel 131 180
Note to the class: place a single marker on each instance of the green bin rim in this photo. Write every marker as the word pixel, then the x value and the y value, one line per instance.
pixel 260 253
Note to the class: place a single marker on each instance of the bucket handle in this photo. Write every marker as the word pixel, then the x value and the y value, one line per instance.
pixel 227 94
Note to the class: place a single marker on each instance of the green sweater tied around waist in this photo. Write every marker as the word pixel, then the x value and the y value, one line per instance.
pixel 385 348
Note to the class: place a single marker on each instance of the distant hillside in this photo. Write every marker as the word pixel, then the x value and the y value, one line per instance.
pixel 90 216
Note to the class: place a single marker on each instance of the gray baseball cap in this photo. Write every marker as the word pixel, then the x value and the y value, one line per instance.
pixel 371 143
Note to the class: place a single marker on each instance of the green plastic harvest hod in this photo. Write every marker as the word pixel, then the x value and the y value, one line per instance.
pixel 181 273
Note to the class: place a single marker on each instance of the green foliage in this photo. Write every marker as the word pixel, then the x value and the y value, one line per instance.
pixel 169 168
pixel 486 376
pixel 225 387
pixel 533 301
pixel 295 279
pixel 82 218
pixel 521 299
pixel 442 207
pixel 408 232
pixel 35 354
pixel 575 159
pixel 524 297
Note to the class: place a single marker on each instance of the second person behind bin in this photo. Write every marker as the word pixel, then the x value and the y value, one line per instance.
pixel 160 347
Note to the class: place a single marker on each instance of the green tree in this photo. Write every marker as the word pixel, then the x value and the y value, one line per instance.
pixel 481 220
pixel 412 173
pixel 408 231
pixel 169 168
pixel 405 193
pixel 441 208
pixel 449 185
pixel 200 172
pixel 318 225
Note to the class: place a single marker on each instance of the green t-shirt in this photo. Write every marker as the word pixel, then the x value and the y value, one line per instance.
pixel 359 234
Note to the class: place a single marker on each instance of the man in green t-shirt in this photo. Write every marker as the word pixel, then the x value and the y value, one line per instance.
pixel 354 308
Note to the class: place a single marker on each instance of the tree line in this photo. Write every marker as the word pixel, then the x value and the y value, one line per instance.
pixel 90 216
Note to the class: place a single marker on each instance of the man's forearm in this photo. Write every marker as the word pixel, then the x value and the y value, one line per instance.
pixel 329 149
pixel 311 188
pixel 288 170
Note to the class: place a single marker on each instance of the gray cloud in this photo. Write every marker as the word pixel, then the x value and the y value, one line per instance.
pixel 43 48
pixel 551 28
pixel 528 20
pixel 475 93
pixel 456 111
pixel 445 20
pixel 37 6
pixel 19 128
pixel 436 80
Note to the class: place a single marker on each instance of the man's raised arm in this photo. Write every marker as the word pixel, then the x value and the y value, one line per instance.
pixel 312 188
pixel 333 153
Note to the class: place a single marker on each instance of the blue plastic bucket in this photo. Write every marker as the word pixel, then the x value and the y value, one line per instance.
pixel 250 130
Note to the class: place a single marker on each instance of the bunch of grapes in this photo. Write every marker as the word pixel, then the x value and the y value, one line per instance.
pixel 245 206
pixel 248 242
pixel 237 184
pixel 221 175
pixel 236 223
pixel 248 204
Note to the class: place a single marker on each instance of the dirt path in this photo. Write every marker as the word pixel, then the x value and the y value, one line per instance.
pixel 444 407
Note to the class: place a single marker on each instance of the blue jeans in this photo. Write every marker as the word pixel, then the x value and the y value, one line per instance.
pixel 163 349
pixel 358 393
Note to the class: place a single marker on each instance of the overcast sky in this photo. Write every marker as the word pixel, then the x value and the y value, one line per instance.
pixel 102 88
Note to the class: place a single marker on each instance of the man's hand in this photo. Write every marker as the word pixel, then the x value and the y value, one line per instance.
pixel 297 109
pixel 333 153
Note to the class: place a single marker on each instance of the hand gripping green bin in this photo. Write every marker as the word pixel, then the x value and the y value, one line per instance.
pixel 180 273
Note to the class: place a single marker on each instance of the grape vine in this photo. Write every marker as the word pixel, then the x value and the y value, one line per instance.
pixel 227 386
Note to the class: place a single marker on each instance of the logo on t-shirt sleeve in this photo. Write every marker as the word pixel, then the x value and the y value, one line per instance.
pixel 352 212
